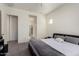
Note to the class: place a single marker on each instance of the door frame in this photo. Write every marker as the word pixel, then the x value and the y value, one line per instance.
pixel 9 26
pixel 35 19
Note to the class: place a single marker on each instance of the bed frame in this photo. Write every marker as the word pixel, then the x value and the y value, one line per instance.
pixel 55 34
pixel 39 48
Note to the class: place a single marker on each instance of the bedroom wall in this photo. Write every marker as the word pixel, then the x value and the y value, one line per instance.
pixel 3 22
pixel 65 20
pixel 23 23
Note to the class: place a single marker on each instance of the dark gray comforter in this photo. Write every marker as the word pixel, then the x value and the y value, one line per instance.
pixel 40 48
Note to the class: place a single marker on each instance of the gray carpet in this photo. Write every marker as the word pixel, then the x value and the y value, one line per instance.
pixel 15 49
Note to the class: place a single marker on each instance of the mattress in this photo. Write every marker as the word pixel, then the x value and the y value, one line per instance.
pixel 66 48
pixel 39 48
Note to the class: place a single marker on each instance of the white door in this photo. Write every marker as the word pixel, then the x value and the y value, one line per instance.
pixel 13 27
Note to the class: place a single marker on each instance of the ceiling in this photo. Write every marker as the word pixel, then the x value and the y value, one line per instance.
pixel 43 8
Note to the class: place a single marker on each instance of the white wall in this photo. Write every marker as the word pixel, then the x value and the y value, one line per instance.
pixel 41 26
pixel 23 23
pixel 65 20
pixel 0 22
pixel 3 22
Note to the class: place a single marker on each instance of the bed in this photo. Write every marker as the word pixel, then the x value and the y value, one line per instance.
pixel 51 47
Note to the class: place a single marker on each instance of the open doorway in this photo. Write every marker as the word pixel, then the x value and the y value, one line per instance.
pixel 33 26
pixel 13 28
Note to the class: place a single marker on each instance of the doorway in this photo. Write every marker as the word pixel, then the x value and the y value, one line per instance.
pixel 33 26
pixel 13 28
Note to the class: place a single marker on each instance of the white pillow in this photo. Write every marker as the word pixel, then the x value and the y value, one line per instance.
pixel 59 40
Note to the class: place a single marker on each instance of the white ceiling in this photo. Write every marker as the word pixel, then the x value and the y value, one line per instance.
pixel 44 8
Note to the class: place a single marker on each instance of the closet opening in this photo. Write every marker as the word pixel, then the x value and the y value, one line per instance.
pixel 13 28
pixel 33 27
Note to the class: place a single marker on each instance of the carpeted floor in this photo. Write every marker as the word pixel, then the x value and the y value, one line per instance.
pixel 15 49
